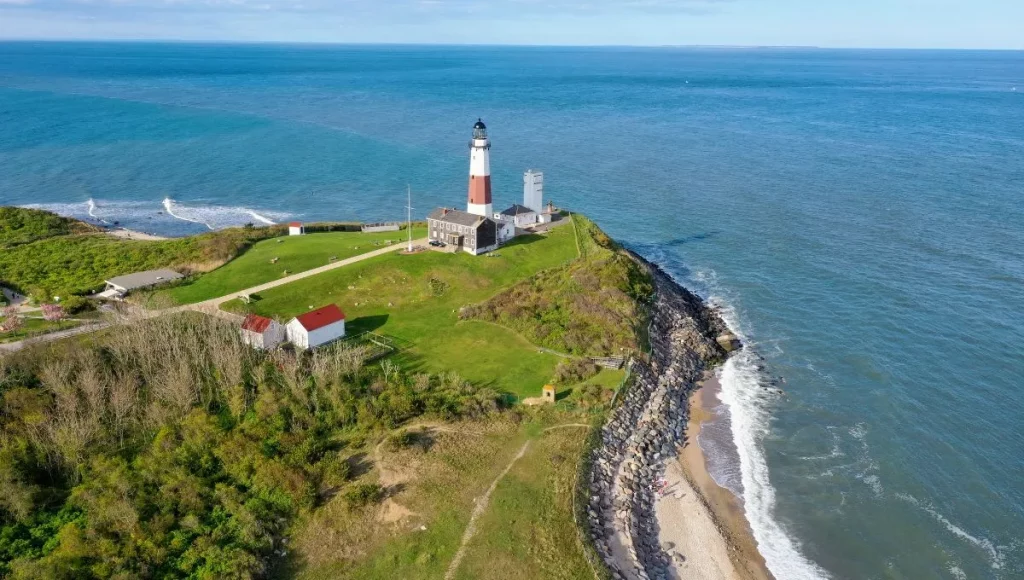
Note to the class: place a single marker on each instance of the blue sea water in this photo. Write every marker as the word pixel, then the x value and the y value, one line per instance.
pixel 858 216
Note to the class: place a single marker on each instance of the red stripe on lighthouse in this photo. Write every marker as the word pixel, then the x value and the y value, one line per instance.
pixel 480 189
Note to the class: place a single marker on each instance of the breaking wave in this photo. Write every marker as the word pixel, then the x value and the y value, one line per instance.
pixel 167 217
pixel 169 207
pixel 996 554
pixel 215 217
pixel 92 211
pixel 749 403
pixel 749 410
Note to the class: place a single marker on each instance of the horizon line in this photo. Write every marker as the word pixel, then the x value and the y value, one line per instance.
pixel 498 45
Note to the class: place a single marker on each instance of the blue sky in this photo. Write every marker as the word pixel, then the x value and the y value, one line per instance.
pixel 831 23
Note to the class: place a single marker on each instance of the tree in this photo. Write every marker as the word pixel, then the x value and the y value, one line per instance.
pixel 12 320
pixel 54 312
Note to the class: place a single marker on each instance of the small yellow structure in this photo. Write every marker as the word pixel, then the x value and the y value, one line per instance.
pixel 548 394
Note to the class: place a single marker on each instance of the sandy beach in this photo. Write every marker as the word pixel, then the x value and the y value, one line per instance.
pixel 702 524
pixel 133 235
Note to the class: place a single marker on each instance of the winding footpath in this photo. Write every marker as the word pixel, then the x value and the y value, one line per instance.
pixel 212 306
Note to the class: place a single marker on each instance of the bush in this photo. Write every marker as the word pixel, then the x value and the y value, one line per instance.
pixel 19 225
pixel 78 264
pixel 400 440
pixel 77 304
pixel 575 371
pixel 362 495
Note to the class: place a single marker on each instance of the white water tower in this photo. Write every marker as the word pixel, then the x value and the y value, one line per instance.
pixel 533 190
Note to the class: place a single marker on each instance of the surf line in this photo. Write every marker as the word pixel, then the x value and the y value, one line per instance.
pixel 92 208
pixel 169 208
pixel 258 217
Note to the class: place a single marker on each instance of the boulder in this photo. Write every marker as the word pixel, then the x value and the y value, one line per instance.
pixel 728 342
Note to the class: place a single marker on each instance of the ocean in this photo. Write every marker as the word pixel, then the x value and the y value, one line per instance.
pixel 857 215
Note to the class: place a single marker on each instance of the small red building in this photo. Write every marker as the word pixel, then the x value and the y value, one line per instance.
pixel 262 332
pixel 317 327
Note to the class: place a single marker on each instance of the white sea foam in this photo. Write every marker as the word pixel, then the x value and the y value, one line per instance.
pixel 996 554
pixel 750 417
pixel 260 218
pixel 169 207
pixel 216 217
pixel 147 215
pixel 748 405
pixel 92 211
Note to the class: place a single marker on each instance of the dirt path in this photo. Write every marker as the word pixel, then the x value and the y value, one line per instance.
pixel 478 511
pixel 481 504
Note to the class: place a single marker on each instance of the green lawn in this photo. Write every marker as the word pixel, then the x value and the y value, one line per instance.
pixel 416 299
pixel 35 327
pixel 294 254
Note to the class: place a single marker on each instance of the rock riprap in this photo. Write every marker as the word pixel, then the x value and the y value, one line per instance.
pixel 645 429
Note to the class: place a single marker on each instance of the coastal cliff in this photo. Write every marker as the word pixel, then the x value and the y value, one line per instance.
pixel 643 433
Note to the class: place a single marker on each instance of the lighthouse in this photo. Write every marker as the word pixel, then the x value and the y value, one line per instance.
pixel 480 172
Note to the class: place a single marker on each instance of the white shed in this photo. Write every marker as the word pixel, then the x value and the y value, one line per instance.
pixel 317 327
pixel 296 229
pixel 261 332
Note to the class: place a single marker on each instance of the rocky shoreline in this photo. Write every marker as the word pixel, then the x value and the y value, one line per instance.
pixel 644 431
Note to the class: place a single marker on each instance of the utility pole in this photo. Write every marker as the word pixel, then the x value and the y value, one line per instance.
pixel 408 216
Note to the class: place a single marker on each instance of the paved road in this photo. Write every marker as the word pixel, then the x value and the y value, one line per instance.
pixel 212 306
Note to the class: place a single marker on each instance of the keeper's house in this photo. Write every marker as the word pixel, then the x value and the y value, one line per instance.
pixel 261 332
pixel 462 230
pixel 317 327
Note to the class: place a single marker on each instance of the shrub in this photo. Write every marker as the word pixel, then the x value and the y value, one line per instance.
pixel 399 440
pixel 77 304
pixel 362 495
pixel 574 371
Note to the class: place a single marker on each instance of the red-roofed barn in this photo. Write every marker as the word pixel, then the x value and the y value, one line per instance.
pixel 317 327
pixel 296 229
pixel 261 332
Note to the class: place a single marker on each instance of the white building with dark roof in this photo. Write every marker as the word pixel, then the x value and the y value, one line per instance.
pixel 462 230
pixel 519 215
pixel 121 286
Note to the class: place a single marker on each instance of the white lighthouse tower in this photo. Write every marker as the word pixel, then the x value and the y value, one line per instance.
pixel 480 172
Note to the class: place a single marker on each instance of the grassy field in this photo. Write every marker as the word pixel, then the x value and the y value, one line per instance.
pixel 434 485
pixel 528 529
pixel 434 489
pixel 294 254
pixel 417 298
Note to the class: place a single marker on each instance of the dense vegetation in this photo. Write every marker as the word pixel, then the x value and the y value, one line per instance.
pixel 168 449
pixel 586 307
pixel 61 265
pixel 20 226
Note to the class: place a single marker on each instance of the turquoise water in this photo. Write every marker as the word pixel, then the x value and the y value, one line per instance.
pixel 857 214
